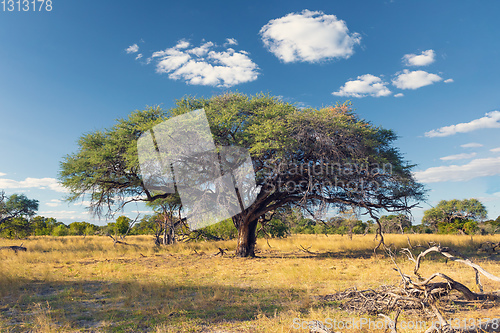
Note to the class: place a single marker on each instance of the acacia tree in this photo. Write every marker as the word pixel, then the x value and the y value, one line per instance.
pixel 14 207
pixel 395 223
pixel 455 214
pixel 168 217
pixel 314 159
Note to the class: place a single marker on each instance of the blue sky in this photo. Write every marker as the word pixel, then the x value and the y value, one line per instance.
pixel 428 70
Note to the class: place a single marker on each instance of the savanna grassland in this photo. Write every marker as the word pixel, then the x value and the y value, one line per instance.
pixel 77 284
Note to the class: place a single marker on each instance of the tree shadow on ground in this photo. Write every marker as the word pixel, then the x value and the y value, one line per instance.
pixel 103 306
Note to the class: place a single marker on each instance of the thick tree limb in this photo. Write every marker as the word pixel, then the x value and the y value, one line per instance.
pixel 452 255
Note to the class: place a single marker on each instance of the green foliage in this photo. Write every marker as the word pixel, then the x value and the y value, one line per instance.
pixel 421 229
pixel 454 216
pixel 122 225
pixel 222 230
pixel 395 224
pixel 110 228
pixel 82 228
pixel 17 227
pixel 167 220
pixel 335 225
pixel 106 164
pixel 60 230
pixel 146 226
pixel 279 136
pixel 359 228
pixel 13 213
pixel 275 228
pixel 304 226
pixel 43 226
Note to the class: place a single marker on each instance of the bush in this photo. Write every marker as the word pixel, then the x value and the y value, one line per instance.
pixel 224 230
pixel 60 230
pixel 275 228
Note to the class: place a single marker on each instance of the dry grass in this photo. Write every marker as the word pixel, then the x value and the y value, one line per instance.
pixel 76 284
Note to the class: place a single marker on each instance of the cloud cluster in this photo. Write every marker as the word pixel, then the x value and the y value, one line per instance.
pixel 69 215
pixel 364 85
pixel 414 79
pixel 471 145
pixel 132 48
pixel 309 36
pixel 53 203
pixel 203 65
pixel 475 168
pixel 490 120
pixel 370 85
pixel 41 183
pixel 462 156
pixel 423 59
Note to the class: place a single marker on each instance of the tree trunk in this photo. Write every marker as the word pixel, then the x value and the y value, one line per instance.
pixel 246 236
pixel 171 234
pixel 165 230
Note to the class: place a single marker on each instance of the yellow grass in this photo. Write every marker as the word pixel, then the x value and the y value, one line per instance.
pixel 77 284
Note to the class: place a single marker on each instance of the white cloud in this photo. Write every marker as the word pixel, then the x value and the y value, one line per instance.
pixel 132 48
pixel 85 203
pixel 202 50
pixel 141 211
pixel 475 168
pixel 448 81
pixel 462 156
pixel 309 36
pixel 231 41
pixel 495 150
pixel 41 183
pixel 471 145
pixel 414 79
pixel 66 215
pixel 2 174
pixel 53 203
pixel 139 56
pixel 399 95
pixel 490 120
pixel 423 59
pixel 204 66
pixel 364 85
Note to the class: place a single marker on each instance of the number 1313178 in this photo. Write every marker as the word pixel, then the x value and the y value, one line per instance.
pixel 26 5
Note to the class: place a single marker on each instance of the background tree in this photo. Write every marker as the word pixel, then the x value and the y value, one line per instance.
pixel 17 227
pixel 315 159
pixel 395 224
pixel 16 206
pixel 168 216
pixel 122 225
pixel 146 226
pixel 451 216
pixel 43 226
pixel 490 226
pixel 60 230
pixel 82 228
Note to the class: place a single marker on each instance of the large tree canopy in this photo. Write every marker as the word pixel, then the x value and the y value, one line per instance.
pixel 315 159
pixel 452 215
pixel 15 206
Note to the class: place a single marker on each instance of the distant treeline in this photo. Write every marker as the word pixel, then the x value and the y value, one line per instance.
pixel 282 223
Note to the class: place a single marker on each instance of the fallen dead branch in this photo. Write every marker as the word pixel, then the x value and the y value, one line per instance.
pixel 453 255
pixel 423 297
pixel 489 247
pixel 116 241
pixel 306 250
pixel 222 252
pixel 14 248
